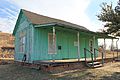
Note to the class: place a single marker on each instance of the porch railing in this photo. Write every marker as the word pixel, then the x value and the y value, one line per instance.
pixel 102 56
pixel 91 54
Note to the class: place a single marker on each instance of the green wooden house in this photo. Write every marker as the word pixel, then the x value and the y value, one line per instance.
pixel 44 38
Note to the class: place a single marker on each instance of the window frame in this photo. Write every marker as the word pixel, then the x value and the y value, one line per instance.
pixel 22 41
pixel 50 44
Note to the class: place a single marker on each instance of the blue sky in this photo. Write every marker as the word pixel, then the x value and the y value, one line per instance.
pixel 8 15
pixel 94 7
pixel 82 12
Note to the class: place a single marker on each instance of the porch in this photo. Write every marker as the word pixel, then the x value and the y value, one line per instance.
pixel 61 42
pixel 87 54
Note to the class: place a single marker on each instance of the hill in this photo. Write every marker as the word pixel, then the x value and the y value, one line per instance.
pixel 6 42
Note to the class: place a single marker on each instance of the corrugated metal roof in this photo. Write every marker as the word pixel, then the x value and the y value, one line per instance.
pixel 40 19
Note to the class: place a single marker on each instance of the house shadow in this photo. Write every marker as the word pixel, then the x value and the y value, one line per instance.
pixel 76 75
pixel 114 76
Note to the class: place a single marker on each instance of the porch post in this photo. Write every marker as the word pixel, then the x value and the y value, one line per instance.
pixel 94 49
pixel 112 48
pixel 117 47
pixel 78 46
pixel 54 46
pixel 104 48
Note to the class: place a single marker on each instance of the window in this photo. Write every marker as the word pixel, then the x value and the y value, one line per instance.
pixel 51 45
pixel 91 45
pixel 22 42
pixel 75 43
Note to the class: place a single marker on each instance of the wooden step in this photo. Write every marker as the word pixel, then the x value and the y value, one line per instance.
pixel 97 66
pixel 117 59
pixel 94 63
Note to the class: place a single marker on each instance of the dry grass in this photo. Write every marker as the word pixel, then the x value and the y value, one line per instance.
pixel 6 59
pixel 14 72
pixel 111 71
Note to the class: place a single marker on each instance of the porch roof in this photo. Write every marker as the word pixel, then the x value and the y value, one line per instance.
pixel 103 35
pixel 56 24
pixel 97 34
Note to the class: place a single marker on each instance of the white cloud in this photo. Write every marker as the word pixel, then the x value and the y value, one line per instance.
pixel 7 22
pixel 3 24
pixel 8 17
pixel 6 25
pixel 69 10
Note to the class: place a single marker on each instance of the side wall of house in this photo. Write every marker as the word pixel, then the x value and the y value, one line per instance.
pixel 64 38
pixel 23 25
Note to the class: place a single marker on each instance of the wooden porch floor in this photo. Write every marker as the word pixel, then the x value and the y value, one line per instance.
pixel 68 61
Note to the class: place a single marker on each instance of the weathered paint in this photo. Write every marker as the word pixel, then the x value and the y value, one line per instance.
pixel 36 46
pixel 25 26
pixel 65 39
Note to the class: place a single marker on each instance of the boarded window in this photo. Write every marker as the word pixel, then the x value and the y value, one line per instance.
pixel 75 43
pixel 51 43
pixel 22 42
pixel 91 45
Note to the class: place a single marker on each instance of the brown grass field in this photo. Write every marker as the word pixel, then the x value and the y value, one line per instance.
pixel 110 71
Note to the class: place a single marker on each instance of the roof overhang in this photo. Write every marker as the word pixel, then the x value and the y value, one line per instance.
pixel 106 36
pixel 97 34
pixel 63 25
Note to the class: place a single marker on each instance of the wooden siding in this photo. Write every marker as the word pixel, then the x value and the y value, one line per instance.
pixel 36 46
pixel 64 38
pixel 23 25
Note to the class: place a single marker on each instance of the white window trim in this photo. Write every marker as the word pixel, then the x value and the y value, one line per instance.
pixel 22 38
pixel 50 51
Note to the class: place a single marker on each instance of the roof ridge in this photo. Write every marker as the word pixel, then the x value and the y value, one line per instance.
pixel 30 15
pixel 50 17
